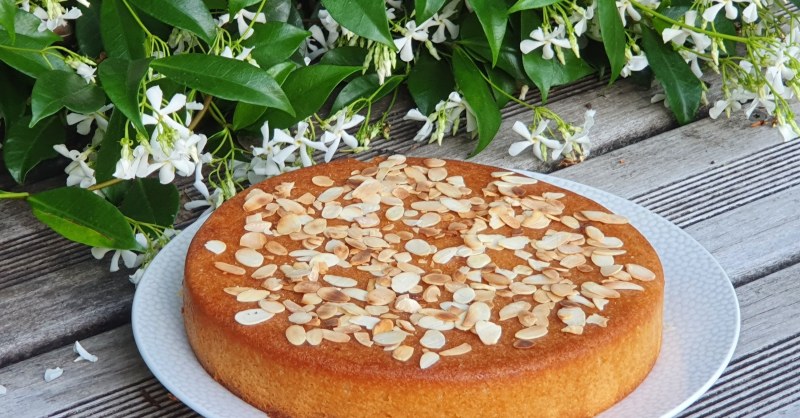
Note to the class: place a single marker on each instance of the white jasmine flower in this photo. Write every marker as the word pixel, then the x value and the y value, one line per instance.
pixel 242 17
pixel 264 163
pixel 338 132
pixel 634 63
pixel 723 106
pixel 536 139
pixel 679 35
pixel 626 9
pixel 397 4
pixel 578 141
pixel 136 276
pixel 692 59
pixel 581 18
pixel 161 115
pixel 427 128
pixel 545 40
pixel 178 159
pixel 129 258
pixel 84 122
pixel 411 33
pixel 453 107
pixel 731 11
pixel 78 172
pixel 750 13
pixel 83 354
pixel 182 40
pixel 190 108
pixel 209 200
pixel 55 16
pixel 52 374
pixel 763 99
pixel 442 22
pixel 787 131
pixel 242 56
pixel 132 164
pixel 299 143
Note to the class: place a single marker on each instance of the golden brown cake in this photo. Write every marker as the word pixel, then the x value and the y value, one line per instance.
pixel 422 287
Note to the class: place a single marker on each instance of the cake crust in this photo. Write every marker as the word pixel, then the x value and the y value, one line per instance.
pixel 560 374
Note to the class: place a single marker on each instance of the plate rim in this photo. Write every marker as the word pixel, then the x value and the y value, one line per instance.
pixel 175 387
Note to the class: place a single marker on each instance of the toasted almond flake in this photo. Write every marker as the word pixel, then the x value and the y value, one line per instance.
pixel 433 339
pixel 428 220
pixel 531 333
pixel 254 240
pixel 271 306
pixel 437 173
pixel 464 295
pixel 572 316
pixel 330 195
pixel 388 339
pixel 215 246
pixel 252 316
pixel 458 206
pixel 296 335
pixel 235 290
pixel 405 281
pixel 610 270
pixel 620 285
pixel 252 295
pixel 394 213
pixel 276 248
pixel 458 350
pixel 563 289
pixel 363 338
pixel 257 201
pixel 418 247
pixel 514 243
pixel 640 272
pixel 53 374
pixel 264 271
pixel 335 336
pixel 332 294
pixel 249 257
pixel 519 180
pixel 488 332
pixel 403 352
pixel 229 268
pixel 599 290
pixel 288 224
pixel 603 217
pixel 596 319
pixel 339 281
pixel 315 227
pixel 428 359
pixel 602 260
pixel 513 309
pixel 300 317
pixel 478 261
pixel 322 181
pixel 331 212
pixel 380 296
pixel 433 162
pixel 444 255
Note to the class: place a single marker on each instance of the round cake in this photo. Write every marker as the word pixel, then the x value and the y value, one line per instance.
pixel 410 287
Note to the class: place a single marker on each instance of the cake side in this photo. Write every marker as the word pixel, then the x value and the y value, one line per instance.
pixel 634 321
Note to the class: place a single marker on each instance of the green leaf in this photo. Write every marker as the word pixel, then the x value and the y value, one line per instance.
pixel 246 114
pixel 365 87
pixel 26 147
pixel 479 97
pixel 191 15
pixel 82 216
pixel 279 10
pixel 26 56
pixel 27 24
pixel 365 18
pixel 345 56
pixel 530 4
pixel 505 82
pixel 280 72
pixel 235 5
pixel 58 89
pixel 613 34
pixel 121 79
pixel 493 18
pixel 147 200
pixel 426 90
pixel 224 78
pixel 8 10
pixel 122 36
pixel 548 73
pixel 425 9
pixel 682 88
pixel 110 148
pixel 86 30
pixel 13 98
pixel 274 42
pixel 307 89
pixel 510 58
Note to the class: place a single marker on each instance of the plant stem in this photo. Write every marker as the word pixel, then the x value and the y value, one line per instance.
pixel 104 184
pixel 201 113
pixel 13 195
pixel 504 93
pixel 652 13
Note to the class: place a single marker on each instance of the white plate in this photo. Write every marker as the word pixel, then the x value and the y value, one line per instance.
pixel 701 322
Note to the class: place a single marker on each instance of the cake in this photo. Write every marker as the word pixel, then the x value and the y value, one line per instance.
pixel 418 287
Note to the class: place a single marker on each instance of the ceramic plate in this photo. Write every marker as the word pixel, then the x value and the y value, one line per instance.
pixel 693 355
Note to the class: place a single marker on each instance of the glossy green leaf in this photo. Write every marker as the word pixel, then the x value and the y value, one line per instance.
pixel 13 98
pixel 479 97
pixel 224 78
pixel 365 87
pixel 82 216
pixel 280 72
pixel 110 147
pixel 613 34
pixel 27 24
pixel 86 30
pixel 274 42
pixel 506 84
pixel 493 18
pixel 345 56
pixel 120 79
pixel 8 10
pixel 279 10
pixel 235 5
pixel 365 18
pixel 530 4
pixel 246 114
pixel 548 73
pixel 425 9
pixel 191 15
pixel 682 88
pixel 307 89
pixel 510 58
pixel 121 34
pixel 147 200
pixel 427 91
pixel 26 56
pixel 55 90
pixel 26 147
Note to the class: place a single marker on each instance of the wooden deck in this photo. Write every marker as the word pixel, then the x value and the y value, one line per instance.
pixel 735 188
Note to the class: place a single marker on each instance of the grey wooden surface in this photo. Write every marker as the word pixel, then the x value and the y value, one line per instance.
pixel 733 187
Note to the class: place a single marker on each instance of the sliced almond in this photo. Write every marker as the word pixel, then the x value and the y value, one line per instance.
pixel 229 268
pixel 428 359
pixel 458 350
pixel 215 246
pixel 252 316
pixel 640 272
pixel 296 335
pixel 531 333
pixel 322 181
pixel 403 353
